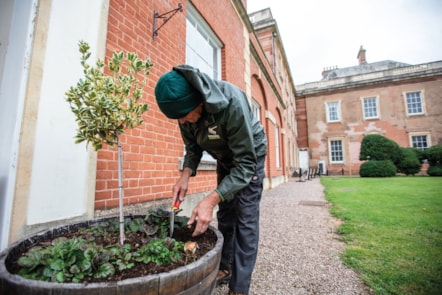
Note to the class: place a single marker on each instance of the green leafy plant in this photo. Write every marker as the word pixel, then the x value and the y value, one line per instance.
pixel 434 155
pixel 378 147
pixel 105 105
pixel 409 163
pixel 72 259
pixel 160 251
pixel 375 168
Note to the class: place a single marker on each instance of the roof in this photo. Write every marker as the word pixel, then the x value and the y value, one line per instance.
pixel 372 74
pixel 362 69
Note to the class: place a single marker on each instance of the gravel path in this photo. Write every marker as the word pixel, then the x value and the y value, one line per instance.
pixel 299 248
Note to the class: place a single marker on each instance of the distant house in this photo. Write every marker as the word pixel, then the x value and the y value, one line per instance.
pixel 399 101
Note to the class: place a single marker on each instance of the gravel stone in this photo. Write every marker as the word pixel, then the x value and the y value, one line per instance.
pixel 299 249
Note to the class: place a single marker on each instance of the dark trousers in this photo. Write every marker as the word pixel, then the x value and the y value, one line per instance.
pixel 238 221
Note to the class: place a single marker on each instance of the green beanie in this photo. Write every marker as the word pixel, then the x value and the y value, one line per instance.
pixel 175 96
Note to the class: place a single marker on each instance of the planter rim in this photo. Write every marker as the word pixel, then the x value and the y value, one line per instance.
pixel 5 275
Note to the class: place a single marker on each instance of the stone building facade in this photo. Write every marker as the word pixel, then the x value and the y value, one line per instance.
pixel 399 101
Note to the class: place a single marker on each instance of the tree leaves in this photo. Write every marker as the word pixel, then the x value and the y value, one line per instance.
pixel 107 104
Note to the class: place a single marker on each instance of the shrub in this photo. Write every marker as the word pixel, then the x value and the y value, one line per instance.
pixel 434 156
pixel 408 164
pixel 378 147
pixel 383 168
pixel 435 170
pixel 420 154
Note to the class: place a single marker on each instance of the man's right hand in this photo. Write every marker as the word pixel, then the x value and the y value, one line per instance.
pixel 179 190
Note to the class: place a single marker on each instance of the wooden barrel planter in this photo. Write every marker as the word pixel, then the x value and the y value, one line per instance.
pixel 198 277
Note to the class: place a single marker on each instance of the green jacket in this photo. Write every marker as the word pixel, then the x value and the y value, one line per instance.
pixel 227 130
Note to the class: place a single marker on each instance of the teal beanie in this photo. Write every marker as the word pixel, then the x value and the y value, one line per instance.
pixel 175 96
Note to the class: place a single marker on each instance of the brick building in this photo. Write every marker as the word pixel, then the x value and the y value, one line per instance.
pixel 46 179
pixel 399 101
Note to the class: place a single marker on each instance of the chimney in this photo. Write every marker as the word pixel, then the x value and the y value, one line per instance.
pixel 326 71
pixel 361 56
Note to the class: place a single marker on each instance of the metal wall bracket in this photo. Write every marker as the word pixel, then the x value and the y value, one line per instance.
pixel 165 16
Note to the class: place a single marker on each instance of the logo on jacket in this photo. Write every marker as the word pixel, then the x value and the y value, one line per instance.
pixel 212 133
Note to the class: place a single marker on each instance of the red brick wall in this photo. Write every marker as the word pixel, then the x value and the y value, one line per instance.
pixel 271 105
pixel 152 150
pixel 301 117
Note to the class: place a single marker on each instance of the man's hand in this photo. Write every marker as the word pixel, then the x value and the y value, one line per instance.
pixel 179 190
pixel 203 213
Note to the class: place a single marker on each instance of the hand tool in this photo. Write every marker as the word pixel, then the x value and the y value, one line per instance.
pixel 172 213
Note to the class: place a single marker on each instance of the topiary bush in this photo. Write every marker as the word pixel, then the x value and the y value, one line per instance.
pixel 408 164
pixel 435 170
pixel 434 156
pixel 378 147
pixel 374 168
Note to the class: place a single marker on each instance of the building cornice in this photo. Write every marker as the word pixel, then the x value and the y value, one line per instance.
pixel 397 75
pixel 270 78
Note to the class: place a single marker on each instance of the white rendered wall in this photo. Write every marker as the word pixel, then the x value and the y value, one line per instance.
pixel 59 181
pixel 16 27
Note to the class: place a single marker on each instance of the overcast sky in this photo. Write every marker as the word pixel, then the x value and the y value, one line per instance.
pixel 322 33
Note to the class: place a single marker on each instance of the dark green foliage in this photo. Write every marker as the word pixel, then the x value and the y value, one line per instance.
pixel 409 164
pixel 435 170
pixel 434 156
pixel 420 154
pixel 160 251
pixel 378 147
pixel 73 259
pixel 384 168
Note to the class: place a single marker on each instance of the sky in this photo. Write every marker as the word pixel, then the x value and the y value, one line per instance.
pixel 317 34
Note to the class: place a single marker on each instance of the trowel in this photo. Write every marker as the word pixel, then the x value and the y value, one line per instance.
pixel 172 213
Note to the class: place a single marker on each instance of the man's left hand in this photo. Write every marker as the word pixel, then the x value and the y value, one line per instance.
pixel 203 212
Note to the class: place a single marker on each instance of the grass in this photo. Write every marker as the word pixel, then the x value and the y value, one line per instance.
pixel 393 231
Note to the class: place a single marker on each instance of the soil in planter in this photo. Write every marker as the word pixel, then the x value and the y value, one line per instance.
pixel 205 242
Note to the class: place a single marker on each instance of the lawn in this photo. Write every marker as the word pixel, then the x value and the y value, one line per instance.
pixel 393 231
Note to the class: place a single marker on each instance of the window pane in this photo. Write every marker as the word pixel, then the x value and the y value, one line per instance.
pixel 278 162
pixel 420 142
pixel 414 103
pixel 370 107
pixel 256 110
pixel 336 151
pixel 333 111
pixel 201 50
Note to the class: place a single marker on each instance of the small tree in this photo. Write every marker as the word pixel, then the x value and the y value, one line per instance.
pixel 105 105
pixel 409 163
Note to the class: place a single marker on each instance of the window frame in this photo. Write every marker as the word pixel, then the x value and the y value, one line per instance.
pixel 338 111
pixel 412 135
pixel 198 23
pixel 277 147
pixel 376 101
pixel 256 109
pixel 330 151
pixel 194 21
pixel 422 103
